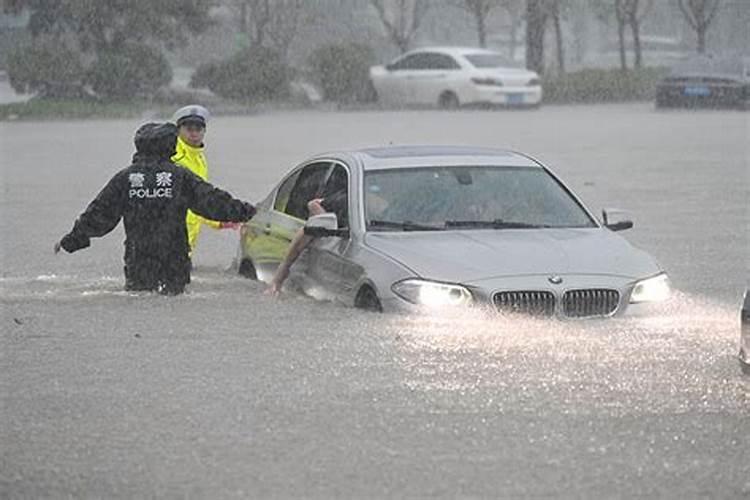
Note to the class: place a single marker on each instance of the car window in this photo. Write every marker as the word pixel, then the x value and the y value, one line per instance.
pixel 425 61
pixel 408 62
pixel 307 184
pixel 282 194
pixel 438 61
pixel 434 195
pixel 335 195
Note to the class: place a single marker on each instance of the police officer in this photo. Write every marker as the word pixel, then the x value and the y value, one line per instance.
pixel 191 124
pixel 152 197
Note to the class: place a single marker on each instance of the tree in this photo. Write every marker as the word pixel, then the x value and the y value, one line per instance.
pixel 535 24
pixel 627 14
pixel 538 12
pixel 553 11
pixel 270 23
pixel 94 31
pixel 699 15
pixel 401 19
pixel 514 9
pixel 635 11
pixel 480 10
pixel 108 26
pixel 621 16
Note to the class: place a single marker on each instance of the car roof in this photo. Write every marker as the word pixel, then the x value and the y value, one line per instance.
pixel 455 51
pixel 390 157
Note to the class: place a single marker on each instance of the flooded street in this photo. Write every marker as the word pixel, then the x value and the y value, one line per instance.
pixel 226 392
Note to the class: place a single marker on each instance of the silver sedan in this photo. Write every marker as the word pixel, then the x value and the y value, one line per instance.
pixel 436 227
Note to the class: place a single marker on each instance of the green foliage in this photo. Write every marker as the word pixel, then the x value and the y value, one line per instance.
pixel 342 72
pixel 135 70
pixel 47 67
pixel 108 24
pixel 256 74
pixel 602 85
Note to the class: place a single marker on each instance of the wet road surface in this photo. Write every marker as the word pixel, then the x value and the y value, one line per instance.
pixel 225 392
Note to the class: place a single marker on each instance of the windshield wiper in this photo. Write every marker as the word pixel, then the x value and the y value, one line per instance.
pixel 404 226
pixel 492 224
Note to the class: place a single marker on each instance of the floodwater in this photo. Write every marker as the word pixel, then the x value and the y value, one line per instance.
pixel 225 392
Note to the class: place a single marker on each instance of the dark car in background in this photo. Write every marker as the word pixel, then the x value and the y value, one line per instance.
pixel 745 334
pixel 707 81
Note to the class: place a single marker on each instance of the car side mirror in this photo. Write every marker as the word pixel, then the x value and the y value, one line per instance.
pixel 616 220
pixel 323 225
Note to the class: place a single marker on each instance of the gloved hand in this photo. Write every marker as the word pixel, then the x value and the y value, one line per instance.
pixel 230 225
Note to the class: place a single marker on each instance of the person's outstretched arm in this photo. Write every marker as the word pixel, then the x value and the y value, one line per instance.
pixel 299 243
pixel 99 218
pixel 216 204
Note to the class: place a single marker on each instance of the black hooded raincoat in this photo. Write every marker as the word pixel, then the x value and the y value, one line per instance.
pixel 152 197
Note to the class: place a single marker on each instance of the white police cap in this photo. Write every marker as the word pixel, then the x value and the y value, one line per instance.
pixel 193 112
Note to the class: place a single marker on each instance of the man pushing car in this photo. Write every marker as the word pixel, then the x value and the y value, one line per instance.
pixel 152 196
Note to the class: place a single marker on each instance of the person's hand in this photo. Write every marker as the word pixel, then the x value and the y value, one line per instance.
pixel 58 246
pixel 230 225
pixel 274 289
pixel 315 206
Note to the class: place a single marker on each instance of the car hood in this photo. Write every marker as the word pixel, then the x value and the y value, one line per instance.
pixel 476 255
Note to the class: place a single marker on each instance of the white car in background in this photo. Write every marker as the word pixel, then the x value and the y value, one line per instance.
pixel 451 77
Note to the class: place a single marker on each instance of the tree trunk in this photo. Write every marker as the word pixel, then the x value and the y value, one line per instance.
pixel 535 20
pixel 559 42
pixel 621 40
pixel 402 44
pixel 636 28
pixel 513 37
pixel 699 16
pixel 701 32
pixel 481 28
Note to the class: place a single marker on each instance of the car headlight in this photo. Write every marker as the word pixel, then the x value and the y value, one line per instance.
pixel 431 293
pixel 654 289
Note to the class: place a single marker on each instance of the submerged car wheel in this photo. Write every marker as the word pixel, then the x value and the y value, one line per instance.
pixel 448 100
pixel 368 300
pixel 247 269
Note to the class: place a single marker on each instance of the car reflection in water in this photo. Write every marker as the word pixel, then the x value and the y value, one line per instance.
pixel 437 227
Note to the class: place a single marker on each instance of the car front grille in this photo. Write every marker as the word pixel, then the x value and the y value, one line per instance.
pixel 590 302
pixel 535 303
pixel 585 303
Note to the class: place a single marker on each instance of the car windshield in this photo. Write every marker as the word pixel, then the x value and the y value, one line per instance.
pixel 438 198
pixel 490 61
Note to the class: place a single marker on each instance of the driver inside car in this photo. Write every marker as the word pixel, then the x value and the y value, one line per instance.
pixel 334 199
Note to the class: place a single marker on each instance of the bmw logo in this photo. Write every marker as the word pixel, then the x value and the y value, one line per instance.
pixel 555 280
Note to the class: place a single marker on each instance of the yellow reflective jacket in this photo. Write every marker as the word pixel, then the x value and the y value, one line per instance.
pixel 193 159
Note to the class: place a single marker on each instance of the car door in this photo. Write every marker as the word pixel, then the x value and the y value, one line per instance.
pixel 395 83
pixel 331 272
pixel 430 78
pixel 274 230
